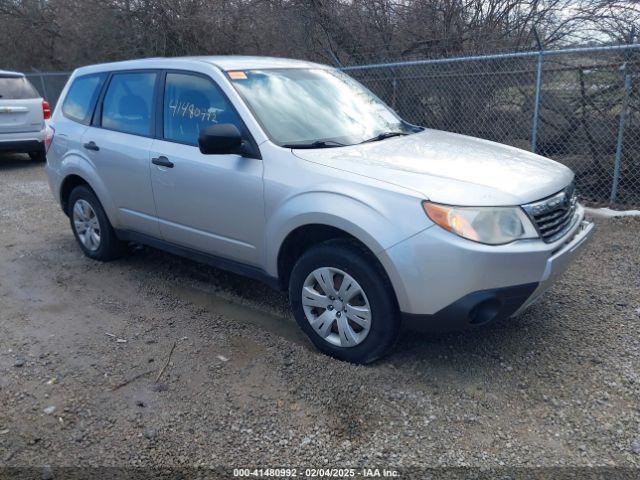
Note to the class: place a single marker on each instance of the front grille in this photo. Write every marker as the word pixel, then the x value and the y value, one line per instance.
pixel 554 215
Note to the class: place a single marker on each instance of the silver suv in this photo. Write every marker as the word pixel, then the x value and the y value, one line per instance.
pixel 293 173
pixel 22 117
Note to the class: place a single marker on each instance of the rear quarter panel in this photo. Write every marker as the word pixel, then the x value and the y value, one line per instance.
pixel 67 157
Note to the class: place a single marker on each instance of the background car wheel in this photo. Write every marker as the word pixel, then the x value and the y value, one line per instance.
pixel 91 227
pixel 344 302
pixel 38 156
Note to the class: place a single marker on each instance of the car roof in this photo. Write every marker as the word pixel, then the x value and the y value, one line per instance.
pixel 223 62
pixel 7 73
pixel 245 62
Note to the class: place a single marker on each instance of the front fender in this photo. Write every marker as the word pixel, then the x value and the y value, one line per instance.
pixel 372 219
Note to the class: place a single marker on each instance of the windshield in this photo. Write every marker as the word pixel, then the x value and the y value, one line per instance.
pixel 316 107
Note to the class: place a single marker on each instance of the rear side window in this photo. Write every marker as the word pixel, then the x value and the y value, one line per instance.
pixel 79 102
pixel 128 103
pixel 16 88
pixel 191 103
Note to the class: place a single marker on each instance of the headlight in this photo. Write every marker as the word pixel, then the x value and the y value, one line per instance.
pixel 491 225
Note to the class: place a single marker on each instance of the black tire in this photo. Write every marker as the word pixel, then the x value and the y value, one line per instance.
pixel 109 247
pixel 38 156
pixel 351 258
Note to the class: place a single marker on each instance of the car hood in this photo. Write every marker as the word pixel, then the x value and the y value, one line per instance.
pixel 450 168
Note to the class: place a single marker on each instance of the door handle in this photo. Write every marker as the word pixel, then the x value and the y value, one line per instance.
pixel 162 161
pixel 91 146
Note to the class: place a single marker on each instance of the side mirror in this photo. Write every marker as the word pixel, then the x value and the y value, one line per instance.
pixel 221 139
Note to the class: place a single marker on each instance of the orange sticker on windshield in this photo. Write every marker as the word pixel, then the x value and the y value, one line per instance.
pixel 237 75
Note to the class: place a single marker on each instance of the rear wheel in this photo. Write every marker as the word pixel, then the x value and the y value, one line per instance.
pixel 38 156
pixel 343 301
pixel 91 227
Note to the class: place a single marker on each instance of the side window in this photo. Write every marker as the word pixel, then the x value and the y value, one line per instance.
pixel 82 95
pixel 127 105
pixel 191 103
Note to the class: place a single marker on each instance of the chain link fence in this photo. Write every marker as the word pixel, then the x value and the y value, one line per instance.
pixel 579 106
pixel 49 84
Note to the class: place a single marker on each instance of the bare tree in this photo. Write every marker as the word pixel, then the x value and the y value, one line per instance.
pixel 61 34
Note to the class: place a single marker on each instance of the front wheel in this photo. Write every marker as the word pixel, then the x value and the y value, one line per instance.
pixel 344 302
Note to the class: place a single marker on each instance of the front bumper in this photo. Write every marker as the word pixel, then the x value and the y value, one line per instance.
pixel 558 263
pixel 458 283
pixel 474 309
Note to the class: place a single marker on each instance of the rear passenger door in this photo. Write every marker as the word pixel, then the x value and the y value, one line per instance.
pixel 211 203
pixel 77 110
pixel 118 143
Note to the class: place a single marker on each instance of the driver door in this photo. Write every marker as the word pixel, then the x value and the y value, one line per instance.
pixel 210 203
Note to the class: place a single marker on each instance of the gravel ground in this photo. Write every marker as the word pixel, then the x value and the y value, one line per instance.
pixel 82 343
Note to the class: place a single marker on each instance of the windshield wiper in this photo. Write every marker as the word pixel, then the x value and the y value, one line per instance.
pixel 384 135
pixel 316 144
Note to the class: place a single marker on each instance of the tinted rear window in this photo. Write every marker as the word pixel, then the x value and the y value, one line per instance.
pixel 79 102
pixel 16 88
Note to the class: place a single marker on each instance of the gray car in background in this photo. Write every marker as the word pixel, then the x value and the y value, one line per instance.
pixel 22 116
pixel 294 174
